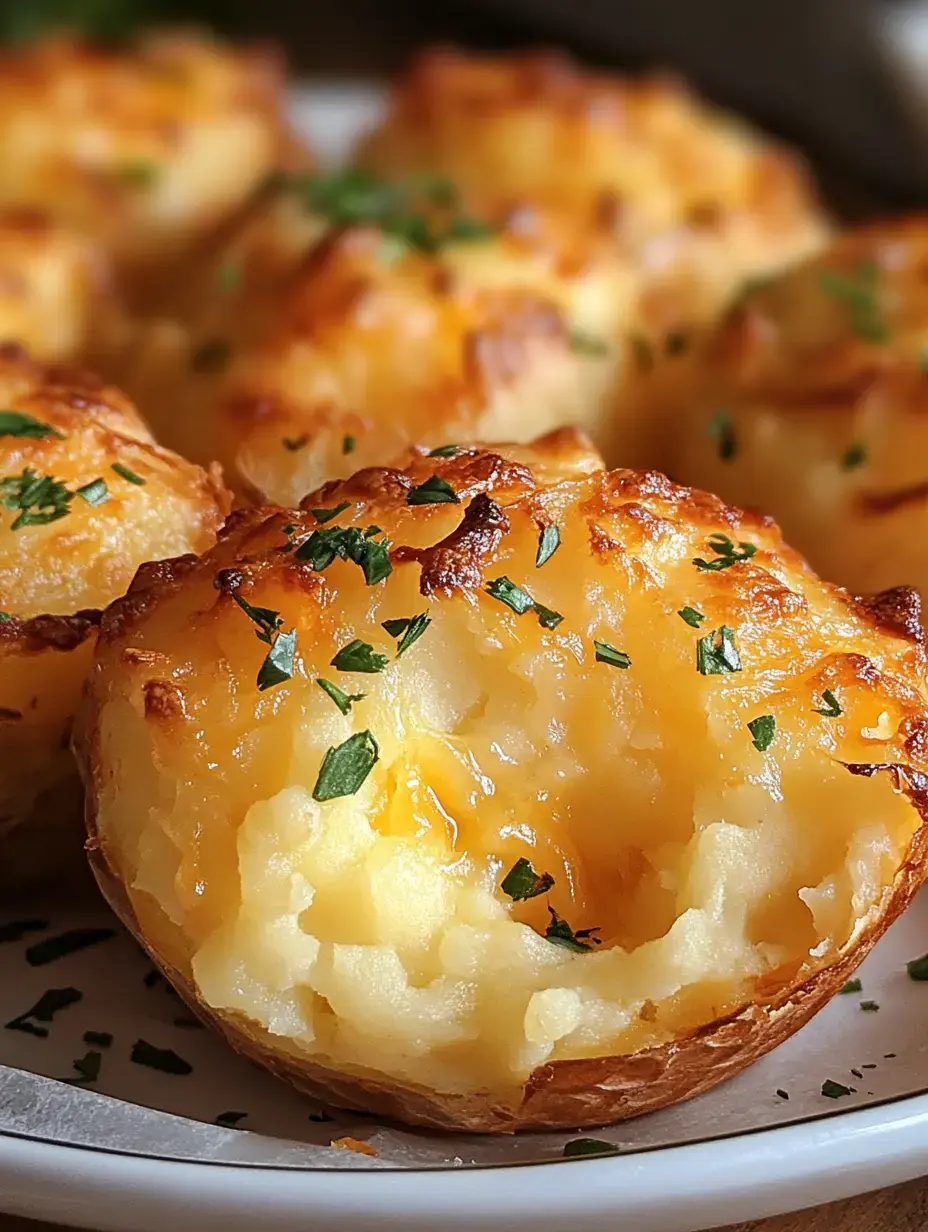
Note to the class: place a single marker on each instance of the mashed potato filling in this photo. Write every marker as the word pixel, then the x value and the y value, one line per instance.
pixel 371 932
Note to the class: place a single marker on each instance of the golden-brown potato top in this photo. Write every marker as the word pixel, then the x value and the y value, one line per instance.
pixel 85 494
pixel 57 295
pixel 535 127
pixel 145 146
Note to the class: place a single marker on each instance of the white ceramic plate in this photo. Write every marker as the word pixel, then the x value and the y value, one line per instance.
pixel 134 1148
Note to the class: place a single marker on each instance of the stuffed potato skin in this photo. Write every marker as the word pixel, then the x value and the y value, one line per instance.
pixel 810 402
pixel 700 201
pixel 66 431
pixel 339 346
pixel 147 148
pixel 358 940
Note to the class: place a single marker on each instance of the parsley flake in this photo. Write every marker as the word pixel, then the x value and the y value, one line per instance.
pixel 326 515
pixel 522 882
pixel 869 1007
pixel 230 1120
pixel 855 455
pixel 578 1147
pixel 507 592
pixel 410 628
pixel 348 543
pixel 832 707
pixel 917 969
pixel 560 933
pixel 445 451
pixel 834 1090
pixel 721 429
pixel 434 491
pixel 44 1010
pixel 716 653
pixel 608 654
pixel 278 662
pixel 549 540
pixel 94 493
pixel 782 1094
pixel 39 499
pixel 88 1067
pixel 129 476
pixel 348 444
pixel 267 620
pixel 691 617
pixel 295 443
pixel 762 729
pixel 101 1039
pixel 341 699
pixel 358 656
pixel 164 1059
pixel 15 423
pixel 858 293
pixel 727 554
pixel 547 617
pixel 850 987
pixel 17 929
pixel 346 766
pixel 59 946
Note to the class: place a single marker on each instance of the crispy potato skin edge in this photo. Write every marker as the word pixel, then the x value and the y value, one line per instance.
pixel 573 1094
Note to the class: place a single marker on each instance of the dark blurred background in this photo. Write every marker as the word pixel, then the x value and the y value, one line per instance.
pixel 839 77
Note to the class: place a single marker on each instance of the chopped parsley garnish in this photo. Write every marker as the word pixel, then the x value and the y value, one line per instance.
pixel 129 476
pixel 917 969
pixel 434 491
pixel 721 430
pixel 858 293
pixel 62 944
pixel 869 1006
pixel 164 1059
pixel 210 356
pixel 445 451
pixel 834 1090
pixel 348 543
pixel 407 629
pixel 88 1067
pixel 693 618
pixel 762 729
pixel 855 455
pixel 17 929
pixel 346 766
pixel 358 656
pixel 522 882
pixel 348 444
pixel 278 662
pixel 5 617
pixel 547 617
pixel 295 443
pixel 832 707
pixel 782 1094
pixel 141 173
pixel 44 1010
pixel 341 699
pixel 422 212
pixel 230 1120
pixel 851 986
pixel 507 592
pixel 94 493
pixel 39 499
pixel 229 276
pixel 578 1147
pixel 588 344
pixel 326 515
pixel 716 653
pixel 101 1039
pixel 15 423
pixel 726 553
pixel 560 933
pixel 608 654
pixel 549 540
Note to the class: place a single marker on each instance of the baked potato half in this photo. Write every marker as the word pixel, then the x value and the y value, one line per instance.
pixel 85 498
pixel 810 402
pixel 352 316
pixel 147 147
pixel 58 297
pixel 700 200
pixel 548 796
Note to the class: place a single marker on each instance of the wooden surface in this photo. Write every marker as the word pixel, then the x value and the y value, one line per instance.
pixel 902 1209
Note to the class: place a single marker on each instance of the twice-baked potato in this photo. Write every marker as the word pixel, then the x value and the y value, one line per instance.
pixel 57 292
pixel 810 402
pixel 147 147
pixel 352 316
pixel 700 200
pixel 547 796
pixel 85 498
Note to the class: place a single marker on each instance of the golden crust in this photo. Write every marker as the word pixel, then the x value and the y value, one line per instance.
pixel 820 373
pixel 54 577
pixel 148 149
pixel 628 542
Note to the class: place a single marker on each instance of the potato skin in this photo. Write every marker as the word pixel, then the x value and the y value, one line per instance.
pixel 826 405
pixel 700 201
pixel 148 149
pixel 54 578
pixel 642 534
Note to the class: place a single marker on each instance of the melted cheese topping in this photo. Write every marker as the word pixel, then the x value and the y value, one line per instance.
pixel 370 931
